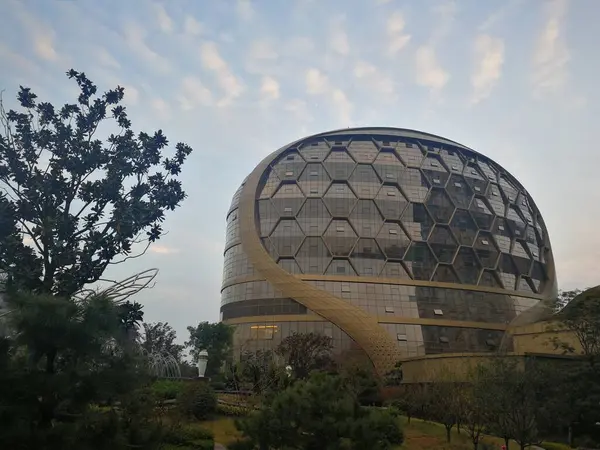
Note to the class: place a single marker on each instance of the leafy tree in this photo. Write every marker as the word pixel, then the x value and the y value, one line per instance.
pixel 79 201
pixel 320 413
pixel 216 339
pixel 159 337
pixel 306 352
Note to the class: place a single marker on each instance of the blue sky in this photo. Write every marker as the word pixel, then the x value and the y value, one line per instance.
pixel 237 79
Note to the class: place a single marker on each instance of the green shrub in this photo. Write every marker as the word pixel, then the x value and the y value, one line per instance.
pixel 241 445
pixel 167 389
pixel 554 446
pixel 232 410
pixel 188 437
pixel 197 400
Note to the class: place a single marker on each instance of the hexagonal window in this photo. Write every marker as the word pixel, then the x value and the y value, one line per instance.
pixel 340 267
pixel 366 258
pixel 524 210
pixel 459 191
pixel 526 285
pixel 314 151
pixel 521 258
pixel 538 275
pixel 486 250
pixel 475 178
pixel 363 151
pixel 534 251
pixel 269 247
pixel 482 213
pixel 313 256
pixel 463 227
pixel 487 170
pixel 289 165
pixel 287 237
pixel 502 235
pixel 314 217
pixel 490 279
pixel 314 181
pixel 339 165
pixel 540 227
pixel 290 265
pixel 388 167
pixel 391 202
pixel 420 261
pixel 339 142
pixel 386 143
pixel 340 200
pixel 366 219
pixel 434 170
pixel 452 160
pixel 443 244
pixel 507 272
pixel 271 185
pixel 340 238
pixel 268 217
pixel 288 200
pixel 410 154
pixel 417 222
pixel 495 200
pixel 393 240
pixel 395 270
pixel 509 190
pixel 445 274
pixel 414 185
pixel 364 181
pixel 467 266
pixel 439 205
pixel 515 222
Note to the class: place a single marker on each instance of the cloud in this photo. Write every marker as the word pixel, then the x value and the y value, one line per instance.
pixel 132 95
pixel 318 83
pixel 444 15
pixel 161 108
pixel 343 105
pixel 507 8
pixel 164 20
pixel 397 39
pixel 429 73
pixel 338 39
pixel 299 109
pixel 489 58
pixel 262 49
pixel 191 26
pixel 269 88
pixel 41 34
pixel 194 94
pixel 229 83
pixel 163 249
pixel 104 57
pixel 551 55
pixel 375 79
pixel 245 10
pixel 135 39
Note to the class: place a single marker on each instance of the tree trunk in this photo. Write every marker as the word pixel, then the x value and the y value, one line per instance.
pixel 506 442
pixel 448 428
pixel 408 416
pixel 522 445
pixel 570 436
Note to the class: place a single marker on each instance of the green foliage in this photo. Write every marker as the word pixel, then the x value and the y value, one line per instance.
pixel 232 410
pixel 187 434
pixel 320 413
pixel 241 444
pixel 306 352
pixel 167 389
pixel 197 400
pixel 365 385
pixel 160 338
pixel 216 339
pixel 554 446
pixel 80 201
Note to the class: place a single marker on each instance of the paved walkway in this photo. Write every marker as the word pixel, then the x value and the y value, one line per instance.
pixel 219 446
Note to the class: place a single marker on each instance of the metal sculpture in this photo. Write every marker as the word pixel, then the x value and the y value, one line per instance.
pixel 120 291
pixel 161 364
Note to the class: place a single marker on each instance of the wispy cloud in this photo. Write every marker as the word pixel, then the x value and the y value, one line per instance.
pixel 375 79
pixel 397 37
pixel 135 38
pixel 245 10
pixel 338 38
pixel 429 72
pixel 194 94
pixel 488 61
pixel 269 88
pixel 317 83
pixel 163 249
pixel 551 55
pixel 499 15
pixel 231 86
pixel 191 26
pixel 165 23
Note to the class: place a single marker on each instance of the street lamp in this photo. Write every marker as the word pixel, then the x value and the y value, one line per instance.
pixel 202 361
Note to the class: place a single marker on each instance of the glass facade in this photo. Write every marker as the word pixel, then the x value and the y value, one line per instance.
pixel 437 242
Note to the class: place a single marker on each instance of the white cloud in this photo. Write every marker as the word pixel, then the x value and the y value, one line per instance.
pixel 161 108
pixel 507 8
pixel 489 58
pixel 163 249
pixel 299 109
pixel 229 83
pixel 194 94
pixel 262 49
pixel 41 34
pixel 191 26
pixel 429 72
pixel 397 38
pixel 338 39
pixel 269 88
pixel 316 82
pixel 342 105
pixel 445 15
pixel 164 20
pixel 244 10
pixel 551 55
pixel 132 95
pixel 104 57
pixel 135 39
pixel 375 79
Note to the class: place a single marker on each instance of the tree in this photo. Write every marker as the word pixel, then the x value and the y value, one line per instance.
pixel 320 413
pixel 159 337
pixel 216 339
pixel 306 352
pixel 444 400
pixel 79 201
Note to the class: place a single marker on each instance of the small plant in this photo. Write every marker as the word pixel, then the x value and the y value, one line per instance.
pixel 197 400
pixel 167 389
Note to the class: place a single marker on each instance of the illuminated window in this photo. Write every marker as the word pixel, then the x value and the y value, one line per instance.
pixel 262 332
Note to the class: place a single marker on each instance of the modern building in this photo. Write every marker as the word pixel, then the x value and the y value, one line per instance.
pixel 398 244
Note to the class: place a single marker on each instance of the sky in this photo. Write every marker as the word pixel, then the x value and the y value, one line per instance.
pixel 238 79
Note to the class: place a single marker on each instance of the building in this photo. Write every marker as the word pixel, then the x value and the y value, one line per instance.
pixel 398 244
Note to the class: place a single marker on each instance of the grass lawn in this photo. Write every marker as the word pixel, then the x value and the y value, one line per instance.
pixel 418 435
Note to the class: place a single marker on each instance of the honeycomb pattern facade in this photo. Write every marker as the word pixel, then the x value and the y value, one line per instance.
pixel 442 231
